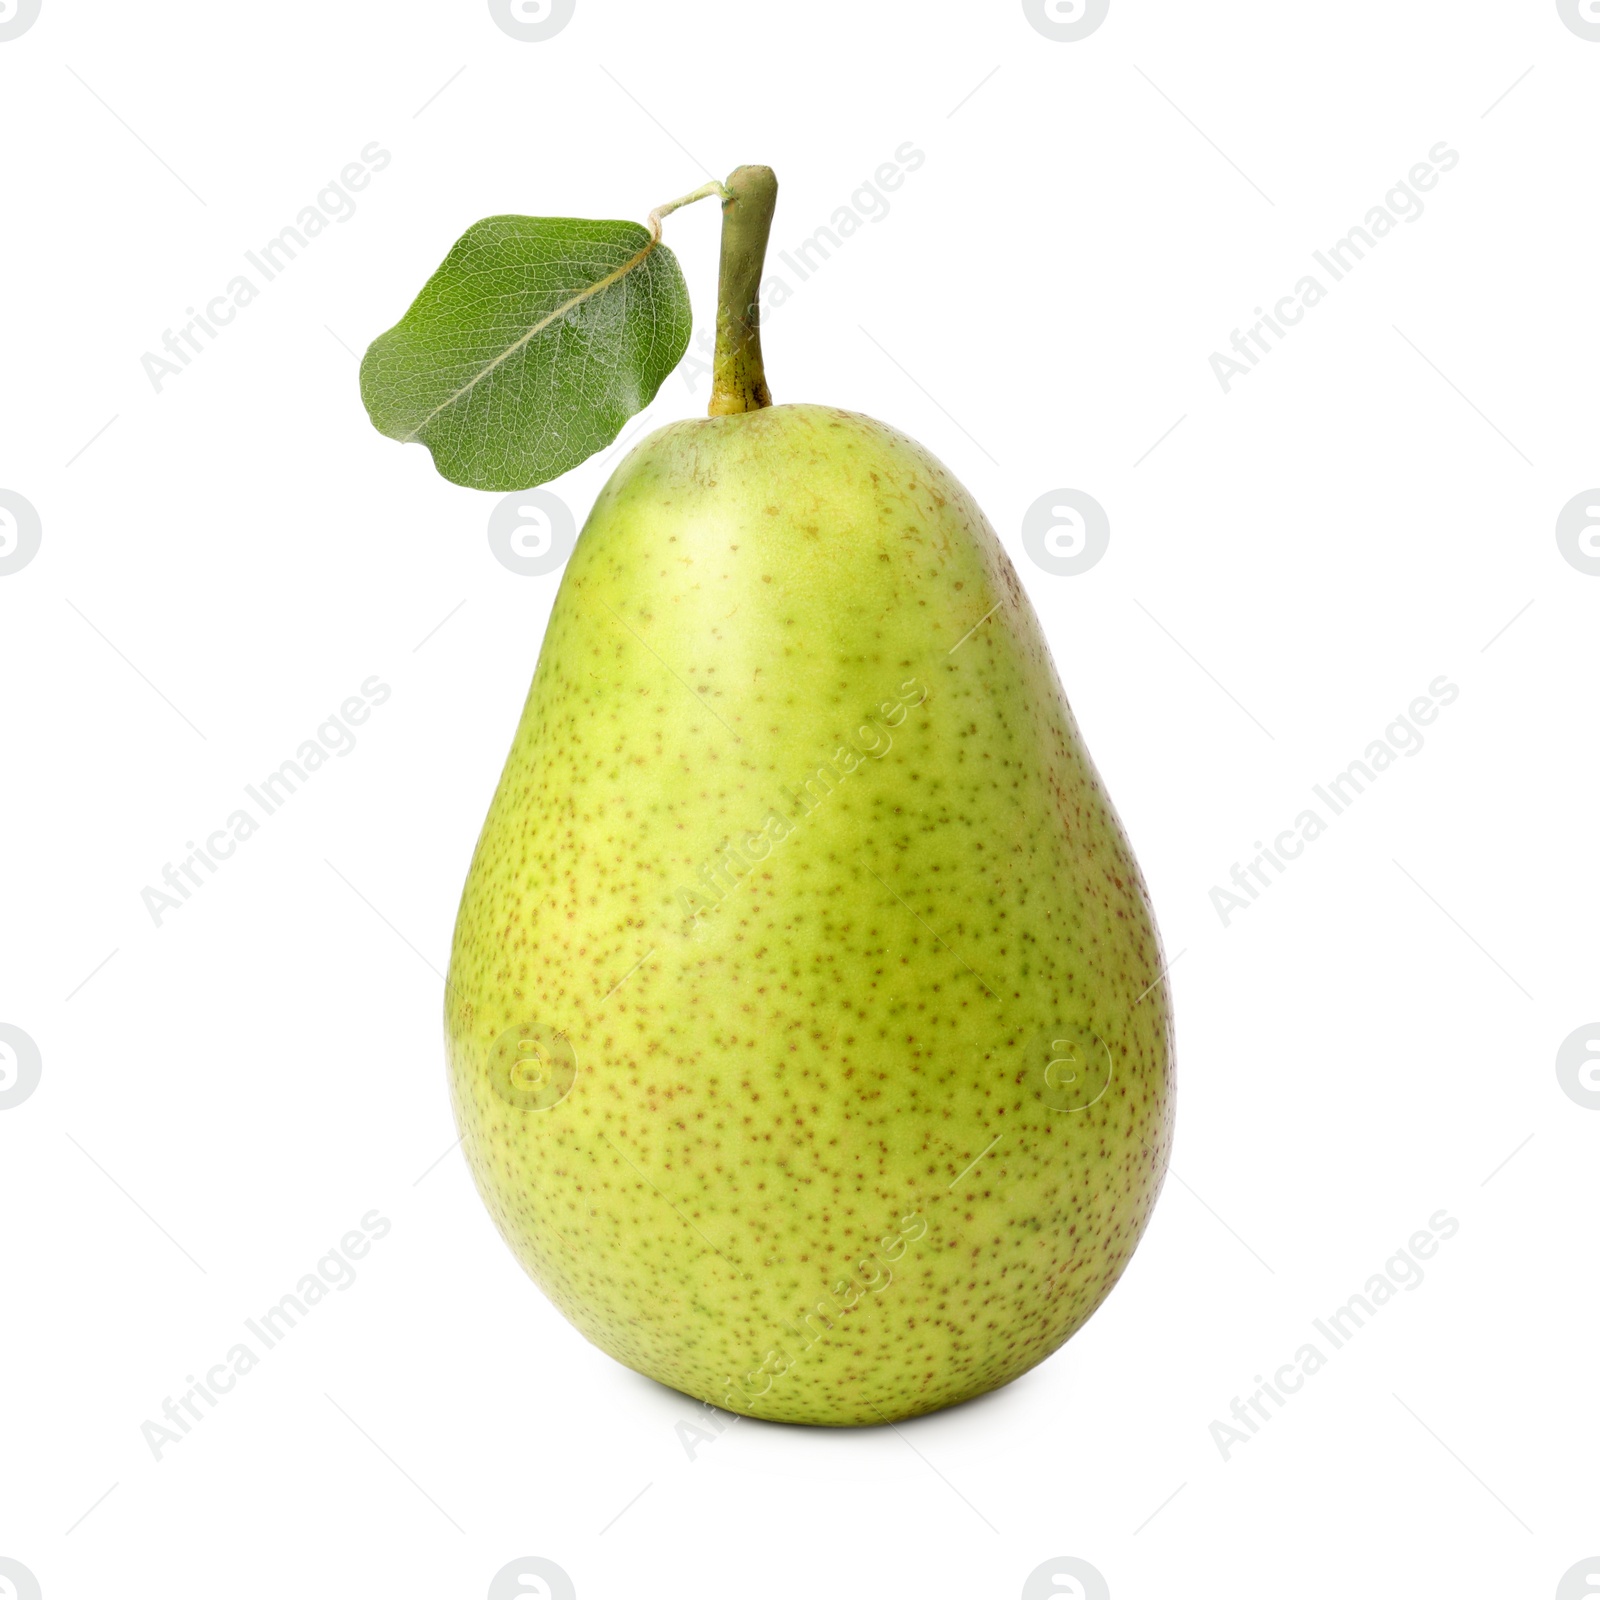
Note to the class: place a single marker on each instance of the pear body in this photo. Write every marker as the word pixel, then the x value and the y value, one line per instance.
pixel 806 1022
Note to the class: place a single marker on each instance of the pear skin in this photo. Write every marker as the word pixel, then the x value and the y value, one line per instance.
pixel 806 1022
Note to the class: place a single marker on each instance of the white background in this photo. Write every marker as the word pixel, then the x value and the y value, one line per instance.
pixel 1373 1040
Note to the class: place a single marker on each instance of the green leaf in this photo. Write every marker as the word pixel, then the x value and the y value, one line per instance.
pixel 512 366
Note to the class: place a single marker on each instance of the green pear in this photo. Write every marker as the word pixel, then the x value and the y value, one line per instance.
pixel 807 1028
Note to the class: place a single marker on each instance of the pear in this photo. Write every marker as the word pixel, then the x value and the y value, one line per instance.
pixel 806 1018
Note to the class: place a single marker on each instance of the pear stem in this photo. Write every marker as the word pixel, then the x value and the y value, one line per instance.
pixel 739 382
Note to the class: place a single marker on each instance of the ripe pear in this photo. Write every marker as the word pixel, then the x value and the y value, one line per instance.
pixel 806 1022
pixel 807 1029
